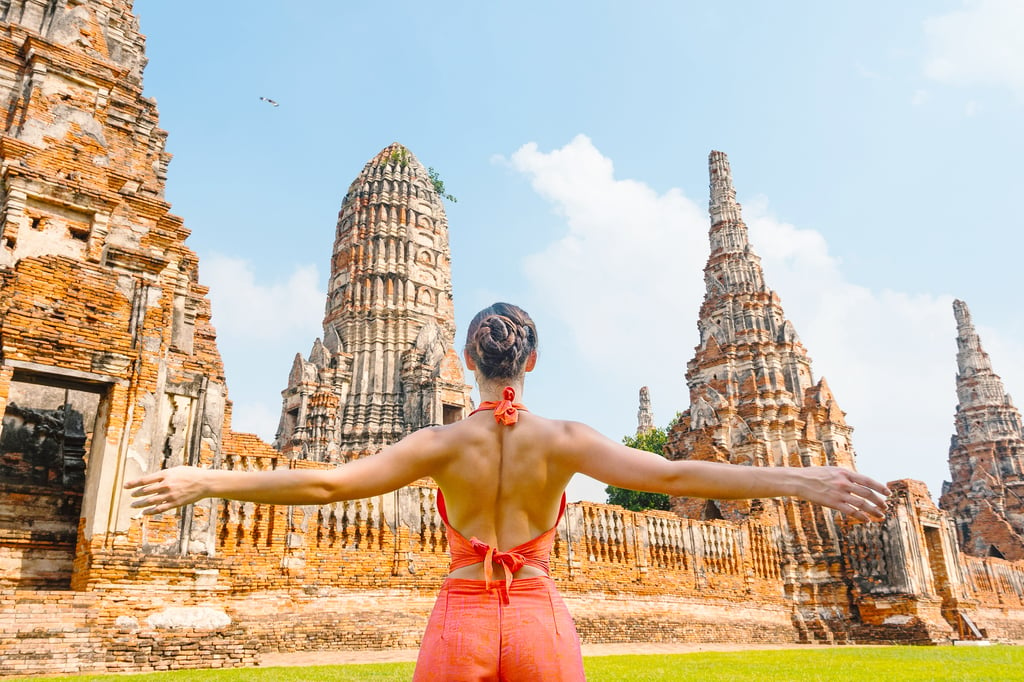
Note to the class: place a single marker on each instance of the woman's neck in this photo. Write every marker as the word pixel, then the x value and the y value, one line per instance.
pixel 491 390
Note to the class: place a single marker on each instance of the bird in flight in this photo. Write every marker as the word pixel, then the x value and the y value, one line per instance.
pixel 268 101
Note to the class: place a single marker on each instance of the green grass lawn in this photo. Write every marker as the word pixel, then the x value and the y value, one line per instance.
pixel 846 664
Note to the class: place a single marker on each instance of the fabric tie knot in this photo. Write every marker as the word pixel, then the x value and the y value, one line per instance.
pixel 506 410
pixel 510 561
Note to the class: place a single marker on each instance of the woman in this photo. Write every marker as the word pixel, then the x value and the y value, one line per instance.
pixel 502 472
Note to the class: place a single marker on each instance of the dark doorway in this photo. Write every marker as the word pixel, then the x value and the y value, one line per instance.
pixel 44 450
pixel 451 414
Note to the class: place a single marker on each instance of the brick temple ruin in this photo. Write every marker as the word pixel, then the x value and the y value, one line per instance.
pixel 110 368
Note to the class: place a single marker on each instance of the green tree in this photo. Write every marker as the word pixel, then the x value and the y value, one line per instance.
pixel 652 441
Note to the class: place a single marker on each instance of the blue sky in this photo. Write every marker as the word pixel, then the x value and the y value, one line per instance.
pixel 875 148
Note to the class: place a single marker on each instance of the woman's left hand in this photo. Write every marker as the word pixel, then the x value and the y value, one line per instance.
pixel 166 489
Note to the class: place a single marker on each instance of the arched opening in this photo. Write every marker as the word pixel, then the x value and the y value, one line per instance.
pixel 712 512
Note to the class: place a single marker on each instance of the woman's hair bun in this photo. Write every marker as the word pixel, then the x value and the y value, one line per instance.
pixel 500 339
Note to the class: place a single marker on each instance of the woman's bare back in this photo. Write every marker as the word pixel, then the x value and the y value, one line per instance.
pixel 503 484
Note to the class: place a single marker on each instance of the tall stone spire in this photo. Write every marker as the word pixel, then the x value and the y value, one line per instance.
pixel 733 266
pixel 644 416
pixel 986 454
pixel 753 400
pixel 387 353
pixel 979 391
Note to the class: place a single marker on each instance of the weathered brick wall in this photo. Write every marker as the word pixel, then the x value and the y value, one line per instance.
pixel 45 632
pixel 900 619
pixel 162 628
pixel 37 542
pixel 995 583
pixel 327 617
pixel 87 316
pixel 999 623
pixel 673 618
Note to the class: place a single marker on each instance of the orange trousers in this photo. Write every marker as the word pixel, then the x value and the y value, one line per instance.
pixel 473 635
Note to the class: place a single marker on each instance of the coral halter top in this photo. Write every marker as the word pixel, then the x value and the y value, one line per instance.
pixel 535 552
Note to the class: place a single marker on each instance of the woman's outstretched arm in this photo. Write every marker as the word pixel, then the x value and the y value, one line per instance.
pixel 414 457
pixel 596 456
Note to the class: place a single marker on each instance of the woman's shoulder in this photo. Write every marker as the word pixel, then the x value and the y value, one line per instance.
pixel 565 424
pixel 559 433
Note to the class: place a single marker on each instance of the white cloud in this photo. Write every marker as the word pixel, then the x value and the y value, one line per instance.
pixel 627 278
pixel 605 263
pixel 261 324
pixel 261 310
pixel 979 44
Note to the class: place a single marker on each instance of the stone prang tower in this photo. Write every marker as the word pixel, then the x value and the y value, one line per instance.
pixel 386 365
pixel 110 366
pixel 986 455
pixel 754 402
pixel 644 416
pixel 753 399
